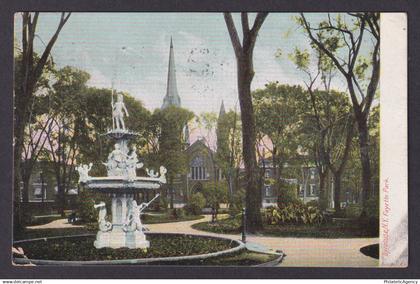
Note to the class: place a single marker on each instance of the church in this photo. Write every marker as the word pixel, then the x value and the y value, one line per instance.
pixel 202 166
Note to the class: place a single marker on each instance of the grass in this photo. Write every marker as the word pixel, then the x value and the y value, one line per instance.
pixel 82 248
pixel 168 218
pixel 325 230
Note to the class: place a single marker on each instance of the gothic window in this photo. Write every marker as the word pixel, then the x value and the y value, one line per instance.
pixel 312 173
pixel 198 171
pixel 268 191
pixel 312 189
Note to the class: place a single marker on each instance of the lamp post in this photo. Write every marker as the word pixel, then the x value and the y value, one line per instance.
pixel 243 225
pixel 41 174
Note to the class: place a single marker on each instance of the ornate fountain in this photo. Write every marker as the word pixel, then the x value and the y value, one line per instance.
pixel 121 183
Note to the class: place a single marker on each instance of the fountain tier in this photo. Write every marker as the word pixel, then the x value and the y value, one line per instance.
pixel 121 183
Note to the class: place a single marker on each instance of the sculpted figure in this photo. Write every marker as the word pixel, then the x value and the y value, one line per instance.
pixel 133 222
pixel 84 172
pixel 151 173
pixel 163 172
pixel 104 225
pixel 132 164
pixel 118 110
pixel 116 162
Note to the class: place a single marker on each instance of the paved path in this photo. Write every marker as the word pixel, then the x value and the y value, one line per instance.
pixel 299 251
pixel 56 224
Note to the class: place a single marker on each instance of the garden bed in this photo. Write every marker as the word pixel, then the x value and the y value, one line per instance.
pixel 165 249
pixel 324 230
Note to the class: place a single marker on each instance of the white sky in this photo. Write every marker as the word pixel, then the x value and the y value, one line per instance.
pixel 204 58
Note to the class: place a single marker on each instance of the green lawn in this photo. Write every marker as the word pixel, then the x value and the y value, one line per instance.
pixel 168 218
pixel 325 230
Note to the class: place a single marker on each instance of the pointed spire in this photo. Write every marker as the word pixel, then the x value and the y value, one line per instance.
pixel 222 111
pixel 171 97
pixel 187 135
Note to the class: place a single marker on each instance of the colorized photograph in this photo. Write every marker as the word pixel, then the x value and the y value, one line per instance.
pixel 203 139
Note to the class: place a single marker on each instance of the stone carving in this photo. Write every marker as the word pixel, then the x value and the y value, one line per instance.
pixel 132 164
pixel 118 110
pixel 163 172
pixel 116 162
pixel 151 173
pixel 84 172
pixel 104 225
pixel 133 221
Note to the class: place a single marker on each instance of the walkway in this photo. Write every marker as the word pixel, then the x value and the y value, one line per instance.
pixel 301 252
pixel 56 224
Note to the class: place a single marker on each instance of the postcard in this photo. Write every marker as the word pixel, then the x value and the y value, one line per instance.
pixel 210 139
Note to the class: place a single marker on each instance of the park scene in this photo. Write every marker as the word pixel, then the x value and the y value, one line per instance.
pixel 218 139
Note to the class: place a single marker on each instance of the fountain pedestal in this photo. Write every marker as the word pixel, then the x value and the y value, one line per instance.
pixel 122 182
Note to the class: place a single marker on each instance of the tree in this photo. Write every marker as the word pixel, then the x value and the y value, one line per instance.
pixel 278 110
pixel 208 122
pixel 171 121
pixel 337 38
pixel 67 127
pixel 27 81
pixel 245 73
pixel 229 149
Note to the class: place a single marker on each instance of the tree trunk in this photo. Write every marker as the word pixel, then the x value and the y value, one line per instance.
pixel 323 203
pixel 337 192
pixel 171 192
pixel 253 194
pixel 364 158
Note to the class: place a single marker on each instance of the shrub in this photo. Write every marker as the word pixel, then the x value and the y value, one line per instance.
pixel 85 201
pixel 195 204
pixel 236 204
pixel 177 213
pixel 313 203
pixel 353 211
pixel 287 194
pixel 86 211
pixel 293 213
pixel 372 208
pixel 215 193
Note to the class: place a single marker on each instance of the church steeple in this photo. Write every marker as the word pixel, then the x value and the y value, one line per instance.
pixel 171 97
pixel 222 111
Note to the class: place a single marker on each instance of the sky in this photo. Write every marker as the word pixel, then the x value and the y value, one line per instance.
pixel 130 50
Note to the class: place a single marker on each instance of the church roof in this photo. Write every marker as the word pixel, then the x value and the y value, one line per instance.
pixel 171 97
pixel 222 111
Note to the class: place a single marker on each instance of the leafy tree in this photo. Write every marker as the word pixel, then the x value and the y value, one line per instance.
pixel 340 39
pixel 229 148
pixel 171 122
pixel 321 128
pixel 244 60
pixel 278 110
pixel 208 122
pixel 67 127
pixel 29 70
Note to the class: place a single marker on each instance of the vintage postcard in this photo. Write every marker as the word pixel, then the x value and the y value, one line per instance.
pixel 210 139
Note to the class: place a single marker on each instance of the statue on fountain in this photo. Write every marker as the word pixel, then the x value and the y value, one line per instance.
pixel 84 172
pixel 133 222
pixel 116 163
pixel 118 110
pixel 104 225
pixel 132 164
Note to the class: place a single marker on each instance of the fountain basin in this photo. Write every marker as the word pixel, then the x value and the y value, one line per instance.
pixel 120 184
pixel 164 248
